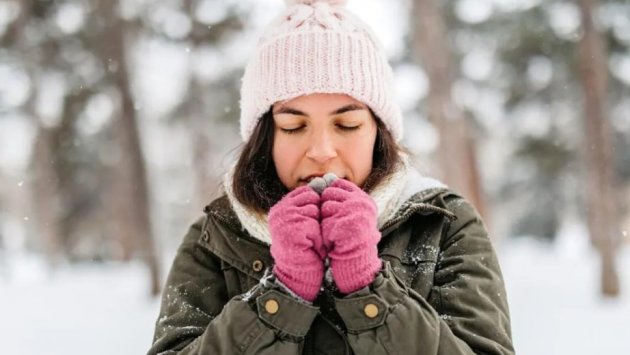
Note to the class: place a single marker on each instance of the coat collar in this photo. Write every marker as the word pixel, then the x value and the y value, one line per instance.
pixel 397 197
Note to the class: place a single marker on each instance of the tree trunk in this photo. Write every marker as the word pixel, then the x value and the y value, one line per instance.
pixel 455 158
pixel 54 188
pixel 46 195
pixel 201 154
pixel 131 194
pixel 197 121
pixel 603 220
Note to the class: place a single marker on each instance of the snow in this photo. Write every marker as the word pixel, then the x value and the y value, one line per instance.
pixel 98 111
pixel 16 143
pixel 70 17
pixel 620 67
pixel 209 13
pixel 90 309
pixel 412 85
pixel 161 71
pixel 479 64
pixel 554 301
pixel 473 11
pixel 8 12
pixel 50 98
pixel 564 18
pixel 539 71
pixel 15 86
pixel 379 15
pixel 104 308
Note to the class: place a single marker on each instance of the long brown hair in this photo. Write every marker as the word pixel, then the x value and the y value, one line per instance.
pixel 256 183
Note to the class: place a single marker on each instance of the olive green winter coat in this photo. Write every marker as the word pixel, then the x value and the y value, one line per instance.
pixel 440 291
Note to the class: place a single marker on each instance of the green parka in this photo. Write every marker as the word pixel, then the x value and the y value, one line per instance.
pixel 440 291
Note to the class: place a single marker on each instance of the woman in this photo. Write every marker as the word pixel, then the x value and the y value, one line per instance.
pixel 326 240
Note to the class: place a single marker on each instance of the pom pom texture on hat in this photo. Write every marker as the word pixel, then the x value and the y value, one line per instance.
pixel 318 49
pixel 310 2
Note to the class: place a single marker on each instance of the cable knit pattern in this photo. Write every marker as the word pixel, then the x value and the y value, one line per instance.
pixel 318 47
pixel 310 2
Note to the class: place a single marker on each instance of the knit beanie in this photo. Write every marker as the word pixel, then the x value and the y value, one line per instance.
pixel 317 46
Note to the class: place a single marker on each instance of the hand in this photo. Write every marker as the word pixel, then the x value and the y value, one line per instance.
pixel 350 234
pixel 296 243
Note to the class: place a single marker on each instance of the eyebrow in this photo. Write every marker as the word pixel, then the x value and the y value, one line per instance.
pixel 350 107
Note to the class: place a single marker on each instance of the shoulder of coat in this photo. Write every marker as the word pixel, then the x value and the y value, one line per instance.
pixel 429 195
pixel 447 199
pixel 461 207
pixel 220 207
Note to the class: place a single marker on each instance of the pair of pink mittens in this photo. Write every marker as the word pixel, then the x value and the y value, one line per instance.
pixel 341 223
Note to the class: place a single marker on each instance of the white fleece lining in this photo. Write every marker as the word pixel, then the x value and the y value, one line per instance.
pixel 389 196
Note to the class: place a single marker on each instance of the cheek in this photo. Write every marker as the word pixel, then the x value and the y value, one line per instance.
pixel 285 160
pixel 359 158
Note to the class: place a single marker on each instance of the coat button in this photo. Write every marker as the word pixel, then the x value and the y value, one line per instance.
pixel 205 236
pixel 271 306
pixel 257 265
pixel 370 310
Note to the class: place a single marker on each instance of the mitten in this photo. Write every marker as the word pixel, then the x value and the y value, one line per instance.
pixel 296 244
pixel 350 235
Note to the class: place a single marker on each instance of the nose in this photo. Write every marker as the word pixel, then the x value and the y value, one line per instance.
pixel 321 148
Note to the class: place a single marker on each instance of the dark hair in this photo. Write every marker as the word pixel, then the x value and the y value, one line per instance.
pixel 256 183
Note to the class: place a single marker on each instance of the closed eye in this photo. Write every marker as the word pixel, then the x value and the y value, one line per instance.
pixel 292 130
pixel 348 128
pixel 300 128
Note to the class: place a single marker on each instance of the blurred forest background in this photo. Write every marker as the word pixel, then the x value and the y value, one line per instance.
pixel 119 118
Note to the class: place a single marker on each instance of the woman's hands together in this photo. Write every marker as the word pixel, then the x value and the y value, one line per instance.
pixel 341 224
pixel 296 242
pixel 350 234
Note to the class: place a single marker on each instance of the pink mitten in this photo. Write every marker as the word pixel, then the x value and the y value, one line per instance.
pixel 296 243
pixel 350 233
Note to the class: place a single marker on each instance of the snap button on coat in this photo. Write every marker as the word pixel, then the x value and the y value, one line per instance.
pixel 271 306
pixel 371 310
pixel 257 265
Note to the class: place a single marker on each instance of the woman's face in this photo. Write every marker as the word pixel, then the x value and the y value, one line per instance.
pixel 320 133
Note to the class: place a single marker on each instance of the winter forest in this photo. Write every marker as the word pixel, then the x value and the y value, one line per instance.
pixel 118 120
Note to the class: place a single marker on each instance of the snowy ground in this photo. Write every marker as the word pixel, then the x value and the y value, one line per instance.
pixel 90 309
pixel 555 305
pixel 96 309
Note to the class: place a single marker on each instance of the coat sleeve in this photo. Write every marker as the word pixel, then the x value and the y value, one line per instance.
pixel 197 318
pixel 467 311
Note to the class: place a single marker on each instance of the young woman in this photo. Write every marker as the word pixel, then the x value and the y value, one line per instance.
pixel 326 241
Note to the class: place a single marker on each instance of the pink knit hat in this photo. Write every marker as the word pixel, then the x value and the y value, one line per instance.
pixel 317 46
